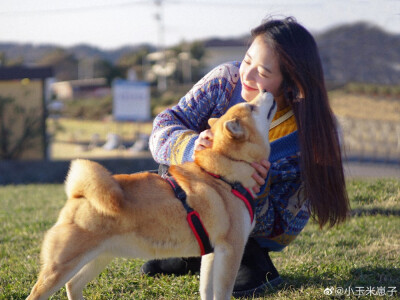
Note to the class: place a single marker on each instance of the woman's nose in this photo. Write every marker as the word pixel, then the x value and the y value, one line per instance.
pixel 249 74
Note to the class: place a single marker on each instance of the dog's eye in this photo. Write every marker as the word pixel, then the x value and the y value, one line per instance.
pixel 252 107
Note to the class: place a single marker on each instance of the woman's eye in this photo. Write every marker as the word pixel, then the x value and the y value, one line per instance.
pixel 247 62
pixel 263 75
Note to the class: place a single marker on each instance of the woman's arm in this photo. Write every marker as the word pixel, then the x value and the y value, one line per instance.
pixel 175 130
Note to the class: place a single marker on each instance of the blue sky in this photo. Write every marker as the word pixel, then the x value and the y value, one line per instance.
pixel 113 23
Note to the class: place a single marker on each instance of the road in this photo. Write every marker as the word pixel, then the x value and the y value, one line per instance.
pixel 371 170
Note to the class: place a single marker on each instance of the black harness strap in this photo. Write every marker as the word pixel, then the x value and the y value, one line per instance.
pixel 193 218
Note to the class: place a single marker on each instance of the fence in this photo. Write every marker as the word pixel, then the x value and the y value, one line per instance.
pixel 21 172
pixel 371 140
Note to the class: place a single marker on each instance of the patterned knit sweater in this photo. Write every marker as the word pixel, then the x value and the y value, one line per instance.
pixel 281 208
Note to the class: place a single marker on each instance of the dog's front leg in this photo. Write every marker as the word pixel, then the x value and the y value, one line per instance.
pixel 206 277
pixel 227 258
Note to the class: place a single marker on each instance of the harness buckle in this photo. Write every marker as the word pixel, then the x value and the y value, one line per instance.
pixel 181 195
pixel 236 186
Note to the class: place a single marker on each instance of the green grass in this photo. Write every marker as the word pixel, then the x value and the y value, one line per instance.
pixel 68 136
pixel 75 130
pixel 364 252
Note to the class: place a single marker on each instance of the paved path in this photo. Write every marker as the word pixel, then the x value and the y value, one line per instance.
pixel 371 170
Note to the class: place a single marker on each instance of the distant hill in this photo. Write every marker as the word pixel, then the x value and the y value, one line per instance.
pixel 33 53
pixel 28 52
pixel 82 51
pixel 358 52
pixel 228 42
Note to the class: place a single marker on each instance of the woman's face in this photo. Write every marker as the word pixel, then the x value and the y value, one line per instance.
pixel 260 71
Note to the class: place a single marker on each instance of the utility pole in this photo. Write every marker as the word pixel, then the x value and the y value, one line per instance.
pixel 162 79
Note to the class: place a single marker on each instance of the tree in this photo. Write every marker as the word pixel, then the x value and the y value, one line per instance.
pixel 134 60
pixel 105 68
pixel 191 63
pixel 65 64
pixel 13 142
pixel 3 59
pixel 6 62
pixel 197 50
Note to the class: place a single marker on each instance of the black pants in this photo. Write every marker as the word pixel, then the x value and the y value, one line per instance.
pixel 162 170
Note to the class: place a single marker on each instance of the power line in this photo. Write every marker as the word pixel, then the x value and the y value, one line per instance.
pixel 76 9
pixel 114 5
pixel 229 3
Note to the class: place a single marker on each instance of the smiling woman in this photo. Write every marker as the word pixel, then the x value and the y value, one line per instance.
pixel 304 176
pixel 260 70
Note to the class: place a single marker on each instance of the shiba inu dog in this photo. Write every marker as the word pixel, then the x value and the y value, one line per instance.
pixel 139 216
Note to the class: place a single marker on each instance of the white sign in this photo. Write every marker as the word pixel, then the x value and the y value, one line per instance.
pixel 131 100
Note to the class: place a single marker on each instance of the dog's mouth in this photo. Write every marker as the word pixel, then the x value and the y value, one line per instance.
pixel 271 110
pixel 263 104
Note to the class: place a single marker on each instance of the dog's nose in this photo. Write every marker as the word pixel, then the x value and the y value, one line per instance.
pixel 265 95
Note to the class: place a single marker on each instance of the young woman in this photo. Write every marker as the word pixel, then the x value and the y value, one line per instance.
pixel 303 176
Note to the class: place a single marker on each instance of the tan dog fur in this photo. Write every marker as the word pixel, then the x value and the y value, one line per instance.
pixel 138 215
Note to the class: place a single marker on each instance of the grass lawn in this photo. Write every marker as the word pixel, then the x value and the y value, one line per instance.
pixel 70 135
pixel 77 130
pixel 361 117
pixel 361 255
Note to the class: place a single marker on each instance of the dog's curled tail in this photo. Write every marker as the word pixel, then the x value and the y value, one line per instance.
pixel 90 180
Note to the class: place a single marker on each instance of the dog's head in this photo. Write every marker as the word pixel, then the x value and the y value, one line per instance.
pixel 242 132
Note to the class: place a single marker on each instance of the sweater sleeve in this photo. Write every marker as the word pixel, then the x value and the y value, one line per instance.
pixel 176 129
pixel 282 209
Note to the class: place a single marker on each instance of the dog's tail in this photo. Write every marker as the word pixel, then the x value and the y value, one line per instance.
pixel 90 180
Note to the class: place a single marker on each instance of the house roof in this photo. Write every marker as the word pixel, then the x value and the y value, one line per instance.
pixel 11 73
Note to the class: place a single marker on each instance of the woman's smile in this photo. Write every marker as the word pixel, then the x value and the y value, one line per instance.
pixel 249 88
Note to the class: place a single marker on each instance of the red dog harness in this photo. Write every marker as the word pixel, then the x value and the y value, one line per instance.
pixel 193 217
pixel 242 193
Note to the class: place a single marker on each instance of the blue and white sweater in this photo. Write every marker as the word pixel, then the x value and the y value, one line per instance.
pixel 281 208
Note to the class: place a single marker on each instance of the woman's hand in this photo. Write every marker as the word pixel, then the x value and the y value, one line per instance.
pixel 260 174
pixel 204 141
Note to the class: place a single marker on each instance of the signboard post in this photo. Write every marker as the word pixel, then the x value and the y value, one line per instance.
pixel 131 102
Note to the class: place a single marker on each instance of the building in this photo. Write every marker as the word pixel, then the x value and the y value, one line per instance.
pixel 82 88
pixel 219 51
pixel 219 55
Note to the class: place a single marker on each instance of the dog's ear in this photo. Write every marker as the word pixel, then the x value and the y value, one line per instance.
pixel 234 129
pixel 212 121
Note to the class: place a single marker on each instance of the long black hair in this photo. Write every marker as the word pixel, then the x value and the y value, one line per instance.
pixel 304 90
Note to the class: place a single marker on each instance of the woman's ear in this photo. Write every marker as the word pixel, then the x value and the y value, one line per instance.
pixel 299 95
pixel 293 91
pixel 212 121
